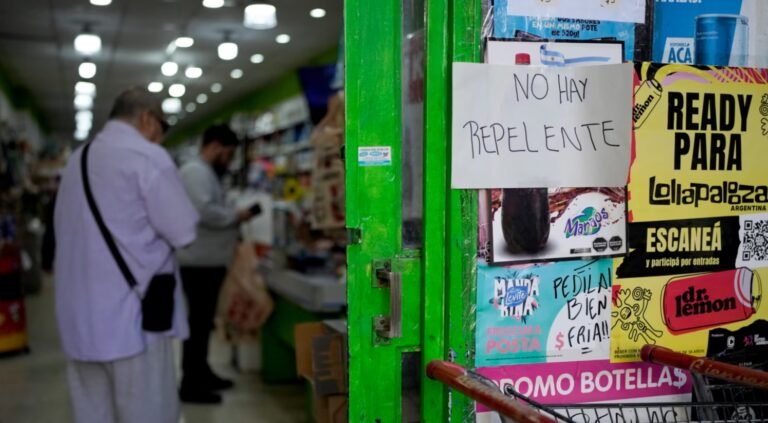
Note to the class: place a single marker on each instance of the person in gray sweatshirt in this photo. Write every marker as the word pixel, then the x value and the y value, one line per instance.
pixel 204 263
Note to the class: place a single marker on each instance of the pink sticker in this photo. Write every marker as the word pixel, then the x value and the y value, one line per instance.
pixel 589 381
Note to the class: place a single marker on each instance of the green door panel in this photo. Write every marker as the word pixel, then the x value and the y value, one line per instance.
pixel 437 295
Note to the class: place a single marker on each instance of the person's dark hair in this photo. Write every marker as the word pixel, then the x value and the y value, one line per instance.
pixel 132 102
pixel 220 134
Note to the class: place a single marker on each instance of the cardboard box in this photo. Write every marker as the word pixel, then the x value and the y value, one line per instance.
pixel 329 364
pixel 304 333
pixel 338 409
pixel 321 356
pixel 321 410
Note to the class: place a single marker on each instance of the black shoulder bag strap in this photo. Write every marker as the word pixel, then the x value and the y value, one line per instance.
pixel 100 221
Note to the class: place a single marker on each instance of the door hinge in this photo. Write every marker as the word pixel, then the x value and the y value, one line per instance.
pixel 382 274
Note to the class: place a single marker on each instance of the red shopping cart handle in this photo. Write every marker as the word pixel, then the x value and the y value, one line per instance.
pixel 459 378
pixel 704 366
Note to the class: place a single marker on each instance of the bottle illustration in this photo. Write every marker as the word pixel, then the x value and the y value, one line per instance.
pixel 525 219
pixel 698 302
pixel 647 96
pixel 721 40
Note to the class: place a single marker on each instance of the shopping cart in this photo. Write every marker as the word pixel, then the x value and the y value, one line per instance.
pixel 722 393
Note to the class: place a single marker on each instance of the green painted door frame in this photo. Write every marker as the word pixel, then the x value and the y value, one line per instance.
pixel 432 286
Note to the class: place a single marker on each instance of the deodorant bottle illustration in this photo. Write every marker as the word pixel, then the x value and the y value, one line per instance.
pixel 525 211
pixel 721 40
pixel 525 219
pixel 709 300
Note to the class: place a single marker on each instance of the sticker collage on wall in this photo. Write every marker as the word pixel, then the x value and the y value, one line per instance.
pixel 619 151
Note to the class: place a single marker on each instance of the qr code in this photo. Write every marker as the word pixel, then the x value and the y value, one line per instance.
pixel 755 240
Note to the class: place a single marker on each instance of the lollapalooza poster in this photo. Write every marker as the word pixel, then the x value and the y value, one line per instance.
pixel 698 259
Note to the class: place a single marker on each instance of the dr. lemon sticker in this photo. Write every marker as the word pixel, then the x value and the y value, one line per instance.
pixel 680 312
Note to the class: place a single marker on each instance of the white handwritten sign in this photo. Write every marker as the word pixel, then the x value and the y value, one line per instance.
pixel 607 10
pixel 532 126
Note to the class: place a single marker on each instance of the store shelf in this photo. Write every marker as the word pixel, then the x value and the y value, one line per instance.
pixel 271 150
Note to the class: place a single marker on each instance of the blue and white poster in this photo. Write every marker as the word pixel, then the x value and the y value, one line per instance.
pixel 540 313
pixel 711 32
pixel 558 24
pixel 613 10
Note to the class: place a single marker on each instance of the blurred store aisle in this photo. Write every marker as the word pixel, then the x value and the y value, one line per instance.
pixel 33 387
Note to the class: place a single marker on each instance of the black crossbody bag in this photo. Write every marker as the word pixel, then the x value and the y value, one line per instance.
pixel 158 302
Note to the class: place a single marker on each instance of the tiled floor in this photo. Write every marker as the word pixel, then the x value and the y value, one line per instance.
pixel 33 387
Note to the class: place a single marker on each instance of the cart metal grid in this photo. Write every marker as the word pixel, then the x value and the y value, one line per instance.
pixel 735 410
pixel 722 393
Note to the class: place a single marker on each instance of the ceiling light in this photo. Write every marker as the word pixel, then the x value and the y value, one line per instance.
pixel 202 98
pixel 171 105
pixel 317 13
pixel 191 107
pixel 213 4
pixel 81 135
pixel 177 90
pixel 101 2
pixel 169 68
pixel 227 50
pixel 236 73
pixel 193 72
pixel 185 42
pixel 83 102
pixel 155 87
pixel 87 70
pixel 216 87
pixel 260 15
pixel 283 39
pixel 257 58
pixel 84 126
pixel 85 88
pixel 84 116
pixel 172 120
pixel 87 44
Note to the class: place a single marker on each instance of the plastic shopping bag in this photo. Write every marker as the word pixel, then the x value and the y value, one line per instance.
pixel 245 303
